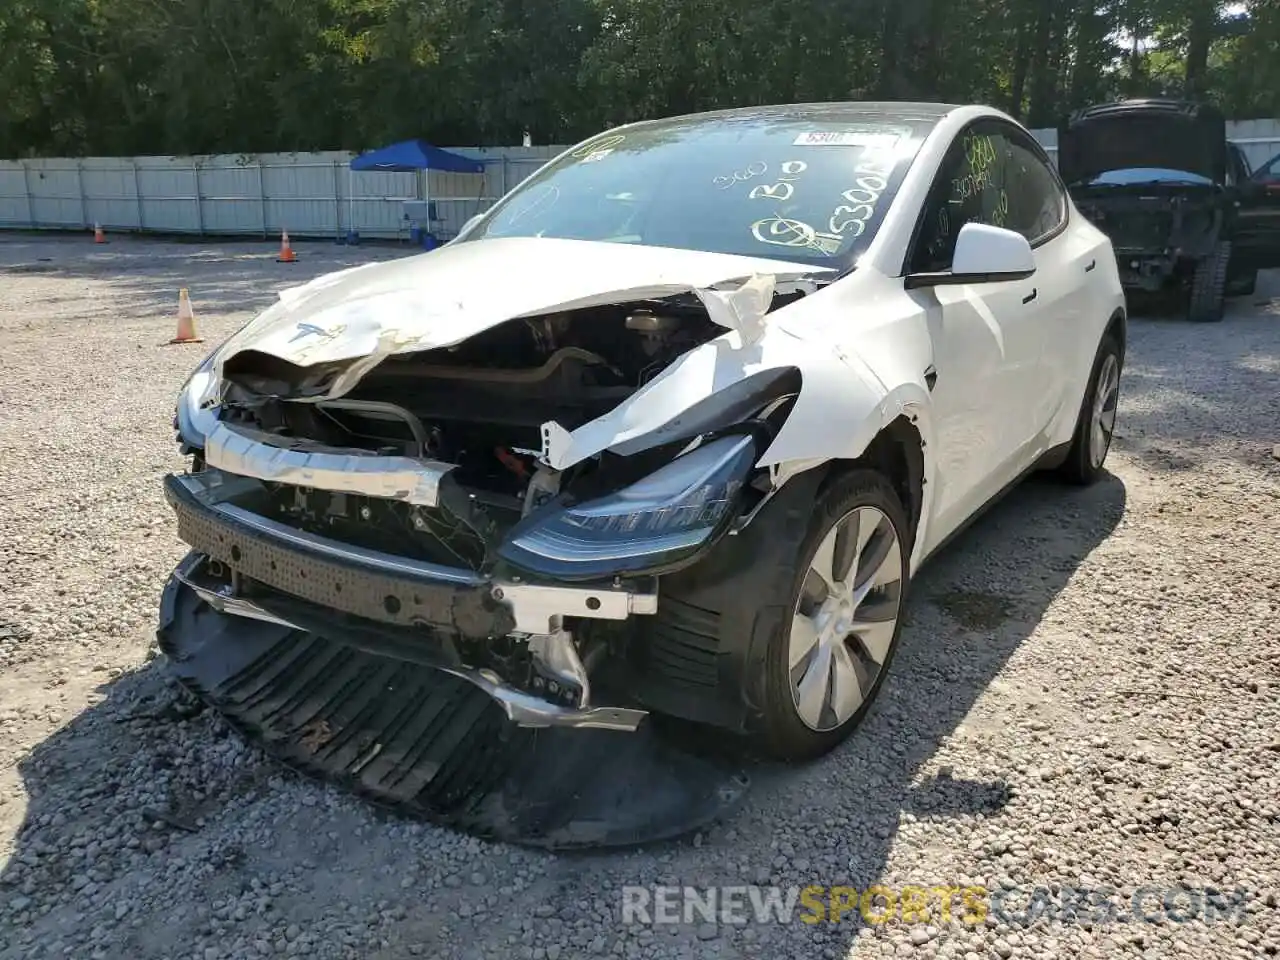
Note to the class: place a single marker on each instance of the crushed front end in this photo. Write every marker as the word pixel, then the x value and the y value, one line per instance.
pixel 395 589
pixel 418 508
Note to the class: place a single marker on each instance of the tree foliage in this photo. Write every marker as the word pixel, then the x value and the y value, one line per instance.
pixel 125 77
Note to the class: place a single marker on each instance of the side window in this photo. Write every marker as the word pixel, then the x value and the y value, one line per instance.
pixel 1036 206
pixel 990 177
pixel 950 205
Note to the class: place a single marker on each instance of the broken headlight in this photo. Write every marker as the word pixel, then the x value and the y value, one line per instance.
pixel 197 408
pixel 663 519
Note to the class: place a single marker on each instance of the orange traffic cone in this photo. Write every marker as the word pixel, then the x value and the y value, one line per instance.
pixel 186 320
pixel 98 235
pixel 286 252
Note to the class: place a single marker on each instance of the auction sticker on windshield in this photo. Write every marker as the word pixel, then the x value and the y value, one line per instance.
pixel 845 138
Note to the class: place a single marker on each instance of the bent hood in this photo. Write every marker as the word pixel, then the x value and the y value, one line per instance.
pixel 1129 136
pixel 441 298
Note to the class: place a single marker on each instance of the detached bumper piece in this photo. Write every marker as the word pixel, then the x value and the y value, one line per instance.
pixel 431 744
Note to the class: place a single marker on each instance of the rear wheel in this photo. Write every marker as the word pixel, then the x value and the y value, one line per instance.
pixel 828 658
pixel 1209 286
pixel 1096 422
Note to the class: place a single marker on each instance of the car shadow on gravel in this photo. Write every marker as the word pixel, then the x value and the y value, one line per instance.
pixel 142 780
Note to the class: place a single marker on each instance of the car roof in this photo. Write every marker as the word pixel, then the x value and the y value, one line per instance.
pixel 854 111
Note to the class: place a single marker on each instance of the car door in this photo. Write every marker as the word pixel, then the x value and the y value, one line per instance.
pixel 1257 233
pixel 1033 201
pixel 987 338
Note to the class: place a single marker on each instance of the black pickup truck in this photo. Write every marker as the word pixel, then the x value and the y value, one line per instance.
pixel 1160 178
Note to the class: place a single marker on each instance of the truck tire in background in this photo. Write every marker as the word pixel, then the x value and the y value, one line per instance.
pixel 1209 286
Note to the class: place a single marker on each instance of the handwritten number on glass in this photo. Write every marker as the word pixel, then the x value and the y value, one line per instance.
pixel 784 232
pixel 980 152
pixel 850 220
pixel 754 169
pixel 783 189
pixel 773 191
pixel 1000 216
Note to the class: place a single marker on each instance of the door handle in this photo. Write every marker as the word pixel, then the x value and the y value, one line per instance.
pixel 1030 296
pixel 1092 264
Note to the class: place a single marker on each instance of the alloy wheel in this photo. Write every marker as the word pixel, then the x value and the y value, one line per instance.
pixel 845 619
pixel 1106 399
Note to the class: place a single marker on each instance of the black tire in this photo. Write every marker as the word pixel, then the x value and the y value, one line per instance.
pixel 783 734
pixel 1209 286
pixel 1082 467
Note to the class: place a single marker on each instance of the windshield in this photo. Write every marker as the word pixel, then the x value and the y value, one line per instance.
pixel 779 187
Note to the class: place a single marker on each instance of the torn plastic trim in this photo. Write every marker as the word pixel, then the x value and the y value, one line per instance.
pixel 742 308
pixel 305 463
pixel 803 335
pixel 522 708
pixel 433 746
pixel 723 409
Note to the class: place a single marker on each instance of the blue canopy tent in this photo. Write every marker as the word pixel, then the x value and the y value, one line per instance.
pixel 415 155
pixel 436 168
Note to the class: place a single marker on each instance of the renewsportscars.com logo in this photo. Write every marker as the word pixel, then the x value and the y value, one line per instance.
pixel 967 906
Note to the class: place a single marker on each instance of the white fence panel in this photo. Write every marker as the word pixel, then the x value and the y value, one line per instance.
pixel 231 195
pixel 55 192
pixel 376 201
pixel 15 198
pixel 110 191
pixel 298 197
pixel 167 197
pixel 1259 139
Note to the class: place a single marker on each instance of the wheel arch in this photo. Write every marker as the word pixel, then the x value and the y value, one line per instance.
pixel 898 452
pixel 1118 327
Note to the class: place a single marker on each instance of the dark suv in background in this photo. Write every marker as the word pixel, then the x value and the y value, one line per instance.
pixel 1257 236
pixel 1160 178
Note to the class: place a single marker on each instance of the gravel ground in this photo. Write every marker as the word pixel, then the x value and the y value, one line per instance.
pixel 1087 692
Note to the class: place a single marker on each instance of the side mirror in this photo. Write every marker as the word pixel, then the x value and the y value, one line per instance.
pixel 984 254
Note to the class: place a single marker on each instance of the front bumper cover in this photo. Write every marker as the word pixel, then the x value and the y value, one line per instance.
pixel 429 743
pixel 396 606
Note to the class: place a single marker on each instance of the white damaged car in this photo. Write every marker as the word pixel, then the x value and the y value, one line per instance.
pixel 670 428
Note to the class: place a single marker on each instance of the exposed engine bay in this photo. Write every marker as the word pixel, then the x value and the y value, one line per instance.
pixel 478 405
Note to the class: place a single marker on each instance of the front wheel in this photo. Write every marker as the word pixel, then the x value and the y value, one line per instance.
pixel 829 656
